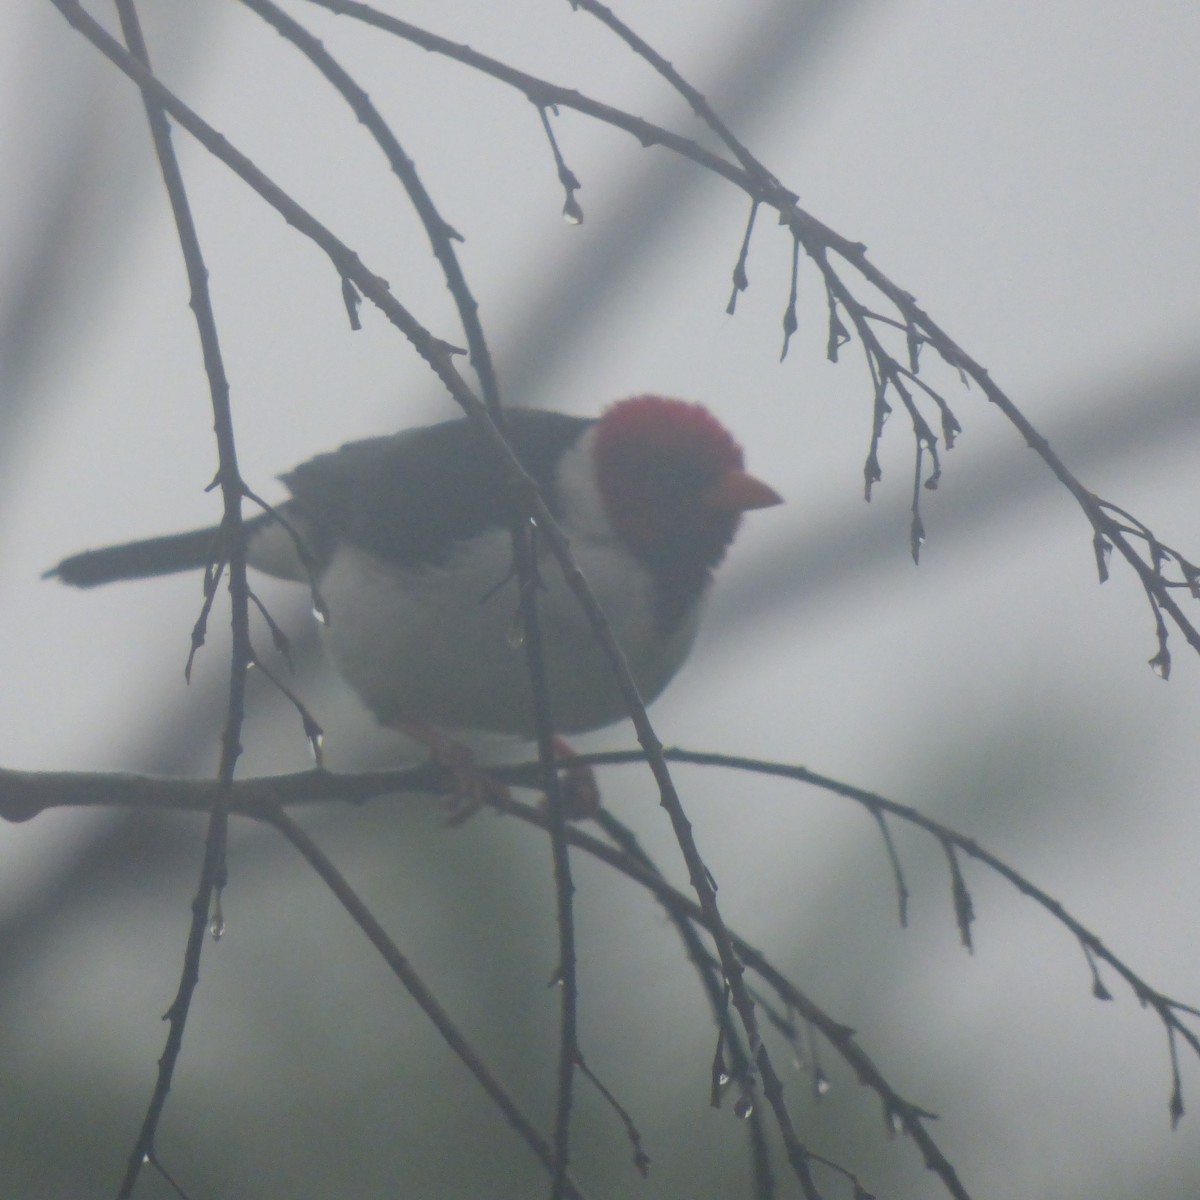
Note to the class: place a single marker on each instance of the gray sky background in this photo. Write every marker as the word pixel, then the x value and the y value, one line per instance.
pixel 1028 171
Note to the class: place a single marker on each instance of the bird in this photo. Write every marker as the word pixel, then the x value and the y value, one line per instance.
pixel 406 539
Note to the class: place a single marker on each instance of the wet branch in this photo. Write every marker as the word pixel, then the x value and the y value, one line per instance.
pixel 892 372
pixel 23 795
pixel 206 902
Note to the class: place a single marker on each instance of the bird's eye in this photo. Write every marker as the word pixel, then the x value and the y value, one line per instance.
pixel 677 479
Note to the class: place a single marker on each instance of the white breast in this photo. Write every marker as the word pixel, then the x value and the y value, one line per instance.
pixel 440 644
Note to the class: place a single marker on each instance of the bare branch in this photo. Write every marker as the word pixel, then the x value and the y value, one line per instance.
pixel 213 868
pixel 819 242
pixel 275 815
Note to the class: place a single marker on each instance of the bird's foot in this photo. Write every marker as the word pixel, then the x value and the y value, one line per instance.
pixel 473 789
pixel 577 784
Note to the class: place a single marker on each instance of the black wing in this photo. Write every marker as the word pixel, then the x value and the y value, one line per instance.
pixel 411 497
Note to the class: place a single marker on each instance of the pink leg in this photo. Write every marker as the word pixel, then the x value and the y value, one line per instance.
pixel 580 791
pixel 473 788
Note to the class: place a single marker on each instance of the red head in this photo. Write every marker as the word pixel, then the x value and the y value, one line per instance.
pixel 673 484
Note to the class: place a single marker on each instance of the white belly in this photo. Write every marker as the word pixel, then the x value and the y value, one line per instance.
pixel 439 644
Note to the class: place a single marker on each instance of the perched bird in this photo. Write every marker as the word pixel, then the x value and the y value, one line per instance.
pixel 406 539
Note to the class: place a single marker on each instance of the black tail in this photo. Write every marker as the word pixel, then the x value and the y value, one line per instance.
pixel 137 560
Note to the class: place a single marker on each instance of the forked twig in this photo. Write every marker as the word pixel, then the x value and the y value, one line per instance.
pixel 822 243
pixel 442 237
pixel 893 380
pixel 212 868
pixel 275 815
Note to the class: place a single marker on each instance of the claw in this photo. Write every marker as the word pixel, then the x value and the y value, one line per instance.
pixel 578 787
pixel 474 789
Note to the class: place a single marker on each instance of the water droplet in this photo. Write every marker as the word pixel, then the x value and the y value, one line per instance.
pixel 895 1122
pixel 321 615
pixel 516 632
pixel 821 1084
pixel 216 924
pixel 916 538
pixel 1160 664
pixel 316 744
pixel 722 1079
pixel 744 1108
pixel 572 213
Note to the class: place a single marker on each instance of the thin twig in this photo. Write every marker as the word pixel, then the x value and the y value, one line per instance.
pixel 641 1160
pixel 708 970
pixel 303 553
pixel 741 280
pixel 358 910
pixel 213 868
pixel 442 238
pixel 572 212
pixel 313 732
pixel 819 241
pixel 22 794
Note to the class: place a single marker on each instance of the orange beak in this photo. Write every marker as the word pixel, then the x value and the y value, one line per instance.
pixel 736 492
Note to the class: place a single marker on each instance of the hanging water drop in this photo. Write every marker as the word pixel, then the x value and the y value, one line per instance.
pixel 1102 548
pixel 821 1084
pixel 1160 664
pixel 572 213
pixel 515 636
pixel 744 1108
pixel 216 924
pixel 722 1079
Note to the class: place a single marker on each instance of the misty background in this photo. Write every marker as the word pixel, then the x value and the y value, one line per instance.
pixel 1029 172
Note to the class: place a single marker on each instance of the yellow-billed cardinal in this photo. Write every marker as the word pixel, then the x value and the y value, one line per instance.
pixel 408 544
